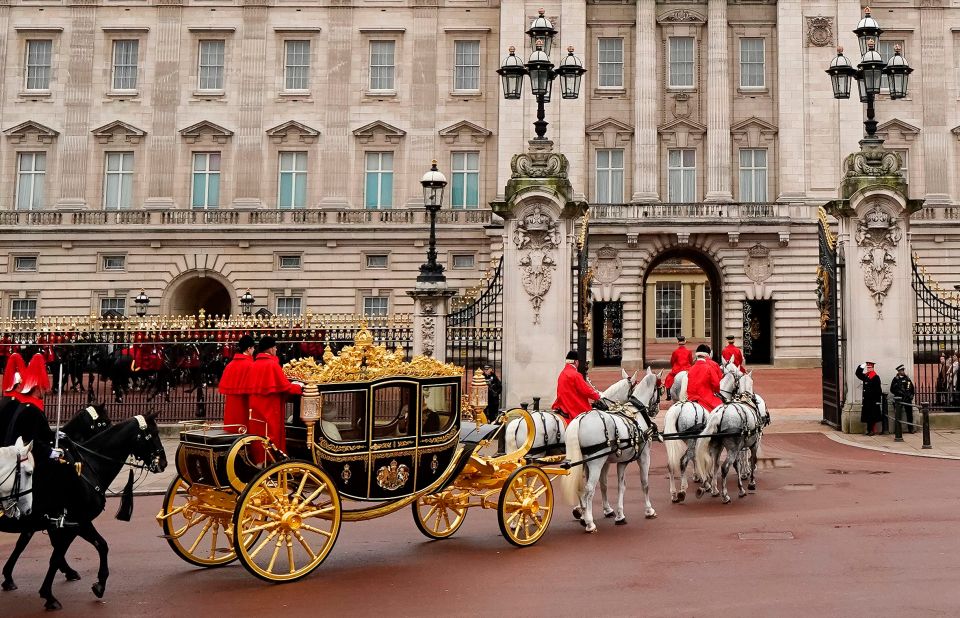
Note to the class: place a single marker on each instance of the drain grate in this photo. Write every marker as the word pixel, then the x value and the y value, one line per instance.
pixel 800 487
pixel 765 536
pixel 838 471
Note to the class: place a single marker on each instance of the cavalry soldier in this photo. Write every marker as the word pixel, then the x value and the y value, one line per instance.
pixel 870 412
pixel 9 402
pixel 234 386
pixel 902 388
pixel 703 380
pixel 269 389
pixel 680 360
pixel 574 393
pixel 732 354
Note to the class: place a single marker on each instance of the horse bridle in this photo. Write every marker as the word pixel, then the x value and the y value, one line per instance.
pixel 13 509
pixel 736 386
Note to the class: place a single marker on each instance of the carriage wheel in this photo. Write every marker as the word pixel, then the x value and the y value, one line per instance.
pixel 198 524
pixel 525 506
pixel 295 505
pixel 440 515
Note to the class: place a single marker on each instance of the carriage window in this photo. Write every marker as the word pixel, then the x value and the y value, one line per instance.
pixel 394 406
pixel 439 409
pixel 343 414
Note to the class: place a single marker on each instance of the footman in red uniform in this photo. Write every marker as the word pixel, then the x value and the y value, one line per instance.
pixel 269 390
pixel 574 393
pixel 234 386
pixel 732 353
pixel 680 360
pixel 703 380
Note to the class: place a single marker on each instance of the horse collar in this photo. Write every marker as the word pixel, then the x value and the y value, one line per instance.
pixel 93 413
pixel 141 421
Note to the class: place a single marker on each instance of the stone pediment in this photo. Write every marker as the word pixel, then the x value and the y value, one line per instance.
pixel 681 16
pixel 118 131
pixel 463 131
pixel 682 125
pixel 293 131
pixel 30 130
pixel 609 132
pixel 898 129
pixel 206 130
pixel 753 131
pixel 379 130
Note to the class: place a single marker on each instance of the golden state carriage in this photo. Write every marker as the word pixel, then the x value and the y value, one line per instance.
pixel 374 434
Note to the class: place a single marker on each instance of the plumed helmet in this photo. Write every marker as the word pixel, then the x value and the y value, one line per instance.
pixel 36 378
pixel 13 372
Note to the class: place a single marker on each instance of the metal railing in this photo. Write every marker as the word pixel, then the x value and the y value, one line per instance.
pixel 898 422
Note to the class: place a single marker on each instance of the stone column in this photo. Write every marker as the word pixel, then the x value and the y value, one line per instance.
pixel 790 90
pixel 539 228
pixel 933 76
pixel 249 137
pixel 421 140
pixel 718 104
pixel 568 118
pixel 645 92
pixel 431 305
pixel 163 145
pixel 337 140
pixel 513 117
pixel 74 142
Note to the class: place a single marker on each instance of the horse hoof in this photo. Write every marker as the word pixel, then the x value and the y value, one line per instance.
pixel 610 514
pixel 98 589
pixel 621 522
pixel 577 513
pixel 582 523
pixel 741 493
pixel 674 498
pixel 72 576
pixel 592 530
pixel 52 605
pixel 752 486
pixel 681 496
pixel 8 585
pixel 725 499
pixel 652 515
pixel 714 493
pixel 700 492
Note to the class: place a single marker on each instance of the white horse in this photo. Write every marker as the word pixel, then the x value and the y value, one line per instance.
pixel 689 417
pixel 16 479
pixel 549 429
pixel 618 436
pixel 740 424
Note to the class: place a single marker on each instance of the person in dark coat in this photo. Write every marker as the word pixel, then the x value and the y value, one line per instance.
pixel 902 388
pixel 870 413
pixel 494 390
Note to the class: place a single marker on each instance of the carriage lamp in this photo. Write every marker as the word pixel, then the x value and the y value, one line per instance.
pixel 311 407
pixel 433 183
pixel 142 301
pixel 246 302
pixel 479 397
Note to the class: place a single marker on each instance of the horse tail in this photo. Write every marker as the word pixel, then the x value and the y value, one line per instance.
pixel 674 448
pixel 571 485
pixel 704 457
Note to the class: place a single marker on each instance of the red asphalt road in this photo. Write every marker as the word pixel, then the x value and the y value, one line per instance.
pixel 873 534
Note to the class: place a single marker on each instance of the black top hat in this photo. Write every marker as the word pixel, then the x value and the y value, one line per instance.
pixel 246 342
pixel 730 337
pixel 703 348
pixel 681 339
pixel 572 355
pixel 266 342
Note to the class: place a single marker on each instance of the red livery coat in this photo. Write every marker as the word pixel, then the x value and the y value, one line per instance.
pixel 573 393
pixel 269 390
pixel 733 352
pixel 234 386
pixel 680 360
pixel 703 383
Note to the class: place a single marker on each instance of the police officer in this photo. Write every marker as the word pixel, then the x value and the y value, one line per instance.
pixel 902 388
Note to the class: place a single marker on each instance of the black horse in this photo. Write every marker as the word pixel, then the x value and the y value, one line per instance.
pixel 101 458
pixel 84 425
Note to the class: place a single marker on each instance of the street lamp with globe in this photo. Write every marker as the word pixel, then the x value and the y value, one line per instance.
pixel 433 183
pixel 246 302
pixel 142 301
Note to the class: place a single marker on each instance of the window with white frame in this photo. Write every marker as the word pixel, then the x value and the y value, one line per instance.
pixel 885 48
pixel 752 63
pixel 378 189
pixel 905 160
pixel 465 188
pixel 296 68
pixel 753 175
pixel 466 73
pixel 290 262
pixel 382 68
pixel 668 306
pixel 376 261
pixel 25 263
pixel 206 180
pixel 125 54
pixel 31 177
pixel 609 176
pixel 113 306
pixel 289 305
pixel 707 311
pixel 118 180
pixel 464 261
pixel 39 64
pixel 610 62
pixel 681 62
pixel 211 65
pixel 375 306
pixel 293 180
pixel 23 308
pixel 114 262
pixel 681 175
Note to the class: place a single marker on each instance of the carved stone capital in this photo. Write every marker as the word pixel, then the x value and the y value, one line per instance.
pixel 539 162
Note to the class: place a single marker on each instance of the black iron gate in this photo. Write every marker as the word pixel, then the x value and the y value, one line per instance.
pixel 828 273
pixel 608 333
pixel 475 330
pixel 582 304
pixel 936 341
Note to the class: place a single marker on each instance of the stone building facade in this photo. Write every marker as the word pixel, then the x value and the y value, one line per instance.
pixel 198 148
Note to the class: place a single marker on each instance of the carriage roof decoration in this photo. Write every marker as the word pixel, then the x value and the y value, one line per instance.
pixel 365 361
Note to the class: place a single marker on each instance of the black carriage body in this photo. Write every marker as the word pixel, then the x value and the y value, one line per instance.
pixel 202 459
pixel 386 439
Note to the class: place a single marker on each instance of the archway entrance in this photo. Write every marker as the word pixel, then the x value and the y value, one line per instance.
pixel 196 291
pixel 682 295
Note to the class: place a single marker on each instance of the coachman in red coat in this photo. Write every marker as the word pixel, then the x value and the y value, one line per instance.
pixel 732 353
pixel 680 360
pixel 703 380
pixel 574 394
pixel 235 386
pixel 269 390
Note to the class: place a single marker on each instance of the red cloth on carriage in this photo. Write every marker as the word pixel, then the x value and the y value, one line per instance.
pixel 680 360
pixel 703 383
pixel 269 389
pixel 235 388
pixel 573 393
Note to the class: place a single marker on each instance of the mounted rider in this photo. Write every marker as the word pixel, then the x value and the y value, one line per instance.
pixel 703 379
pixel 680 360
pixel 733 354
pixel 574 393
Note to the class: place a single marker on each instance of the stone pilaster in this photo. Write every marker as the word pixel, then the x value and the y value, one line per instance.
pixel 790 90
pixel 933 76
pixel 163 145
pixel 646 166
pixel 75 139
pixel 431 305
pixel 337 138
pixel 249 136
pixel 718 104
pixel 422 137
pixel 513 117
pixel 571 131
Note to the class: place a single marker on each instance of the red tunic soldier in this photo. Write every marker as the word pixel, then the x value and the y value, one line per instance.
pixel 732 353
pixel 574 394
pixel 680 360
pixel 269 390
pixel 703 380
pixel 234 386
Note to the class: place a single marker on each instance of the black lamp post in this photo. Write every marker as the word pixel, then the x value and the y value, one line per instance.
pixel 869 73
pixel 246 302
pixel 541 71
pixel 433 183
pixel 142 300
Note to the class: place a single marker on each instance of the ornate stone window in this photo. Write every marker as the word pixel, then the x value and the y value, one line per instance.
pixel 754 142
pixel 900 137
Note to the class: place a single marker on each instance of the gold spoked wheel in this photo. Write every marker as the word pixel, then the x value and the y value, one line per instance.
pixel 439 515
pixel 296 508
pixel 198 523
pixel 525 506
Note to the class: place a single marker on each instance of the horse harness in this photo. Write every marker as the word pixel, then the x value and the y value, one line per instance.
pixel 536 451
pixel 616 445
pixel 8 504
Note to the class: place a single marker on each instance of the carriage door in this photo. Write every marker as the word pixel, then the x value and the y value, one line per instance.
pixel 439 430
pixel 393 415
pixel 607 333
pixel 757 332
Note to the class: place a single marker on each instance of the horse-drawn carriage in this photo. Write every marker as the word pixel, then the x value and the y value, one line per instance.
pixel 375 434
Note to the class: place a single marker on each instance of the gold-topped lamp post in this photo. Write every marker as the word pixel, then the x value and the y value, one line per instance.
pixel 479 398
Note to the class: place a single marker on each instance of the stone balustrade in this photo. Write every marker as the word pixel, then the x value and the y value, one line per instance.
pixel 937 213
pixel 712 212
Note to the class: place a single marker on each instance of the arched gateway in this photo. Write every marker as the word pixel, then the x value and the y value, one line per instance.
pixel 194 290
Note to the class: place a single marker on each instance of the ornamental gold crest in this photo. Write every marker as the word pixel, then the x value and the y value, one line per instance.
pixel 392 477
